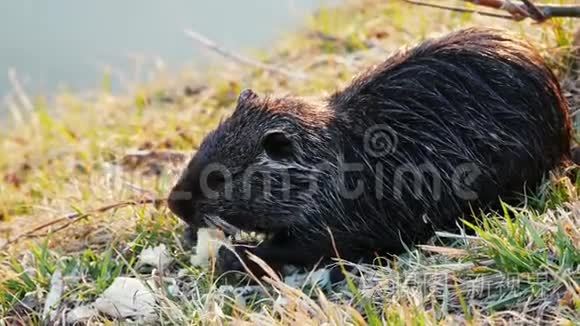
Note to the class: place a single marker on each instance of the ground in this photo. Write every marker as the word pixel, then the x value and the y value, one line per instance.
pixel 78 153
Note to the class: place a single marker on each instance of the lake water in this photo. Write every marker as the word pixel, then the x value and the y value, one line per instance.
pixel 51 44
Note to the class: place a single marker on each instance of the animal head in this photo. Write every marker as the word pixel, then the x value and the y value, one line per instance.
pixel 258 169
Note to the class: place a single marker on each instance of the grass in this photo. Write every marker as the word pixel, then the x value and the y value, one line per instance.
pixel 72 154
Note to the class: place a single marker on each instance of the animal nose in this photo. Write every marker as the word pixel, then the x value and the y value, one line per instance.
pixel 181 202
pixel 184 194
pixel 194 185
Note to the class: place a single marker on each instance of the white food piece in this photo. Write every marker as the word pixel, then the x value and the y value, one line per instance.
pixel 127 297
pixel 318 278
pixel 54 295
pixel 155 256
pixel 81 314
pixel 208 243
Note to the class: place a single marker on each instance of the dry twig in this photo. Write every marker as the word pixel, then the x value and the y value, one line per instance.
pixel 517 10
pixel 19 91
pixel 72 218
pixel 534 11
pixel 457 9
pixel 203 40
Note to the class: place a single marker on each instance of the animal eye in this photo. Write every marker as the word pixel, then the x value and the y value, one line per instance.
pixel 277 145
pixel 215 180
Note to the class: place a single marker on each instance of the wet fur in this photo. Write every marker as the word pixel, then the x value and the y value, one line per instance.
pixel 476 97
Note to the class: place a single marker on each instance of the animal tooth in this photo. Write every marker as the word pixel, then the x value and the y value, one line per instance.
pixel 238 236
pixel 261 236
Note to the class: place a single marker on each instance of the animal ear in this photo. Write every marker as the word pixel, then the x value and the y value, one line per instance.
pixel 246 95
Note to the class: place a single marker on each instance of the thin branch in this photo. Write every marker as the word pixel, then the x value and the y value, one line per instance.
pixel 527 9
pixel 517 10
pixel 75 217
pixel 203 40
pixel 534 11
pixel 458 9
pixel 19 91
pixel 561 11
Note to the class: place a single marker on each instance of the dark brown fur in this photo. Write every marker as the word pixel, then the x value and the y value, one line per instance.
pixel 472 117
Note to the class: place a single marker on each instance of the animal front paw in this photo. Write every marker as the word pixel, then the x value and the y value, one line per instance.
pixel 231 259
pixel 189 237
pixel 235 259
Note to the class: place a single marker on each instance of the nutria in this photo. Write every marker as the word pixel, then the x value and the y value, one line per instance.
pixel 413 145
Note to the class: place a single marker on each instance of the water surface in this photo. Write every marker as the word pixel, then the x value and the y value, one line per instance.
pixel 53 44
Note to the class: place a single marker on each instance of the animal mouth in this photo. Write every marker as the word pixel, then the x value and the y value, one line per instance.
pixel 236 234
